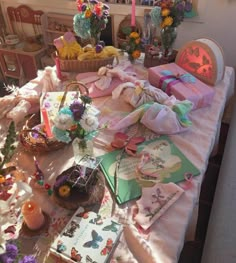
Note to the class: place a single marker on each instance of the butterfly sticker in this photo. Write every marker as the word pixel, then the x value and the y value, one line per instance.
pixel 60 246
pixel 107 249
pixel 89 260
pixel 121 140
pixel 84 215
pixel 194 51
pixel 74 255
pixel 97 220
pixel 94 242
pixel 112 227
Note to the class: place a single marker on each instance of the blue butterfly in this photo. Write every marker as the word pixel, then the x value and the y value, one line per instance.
pixel 95 239
pixel 112 227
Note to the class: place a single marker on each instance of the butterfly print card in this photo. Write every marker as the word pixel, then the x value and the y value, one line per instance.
pixel 87 238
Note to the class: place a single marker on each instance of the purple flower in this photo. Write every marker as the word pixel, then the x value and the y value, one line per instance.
pixel 84 7
pixel 10 255
pixel 99 48
pixel 28 259
pixel 11 251
pixel 77 109
pixel 94 2
pixel 60 181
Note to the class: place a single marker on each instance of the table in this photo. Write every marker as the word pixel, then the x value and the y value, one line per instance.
pixel 166 238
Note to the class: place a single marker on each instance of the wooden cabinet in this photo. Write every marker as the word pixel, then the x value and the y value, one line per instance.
pixel 55 25
pixel 19 64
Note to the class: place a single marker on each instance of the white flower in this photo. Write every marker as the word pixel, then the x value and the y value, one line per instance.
pixel 63 121
pixel 89 122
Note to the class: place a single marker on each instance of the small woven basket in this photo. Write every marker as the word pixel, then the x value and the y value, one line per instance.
pixel 90 65
pixel 42 143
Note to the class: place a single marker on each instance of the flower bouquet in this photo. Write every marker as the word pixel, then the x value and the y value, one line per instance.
pixel 91 19
pixel 76 120
pixel 168 14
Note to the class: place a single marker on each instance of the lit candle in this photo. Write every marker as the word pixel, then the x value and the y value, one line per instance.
pixel 58 68
pixel 46 121
pixel 32 214
pixel 133 14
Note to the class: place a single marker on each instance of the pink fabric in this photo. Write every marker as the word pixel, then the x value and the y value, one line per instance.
pixel 199 93
pixel 101 85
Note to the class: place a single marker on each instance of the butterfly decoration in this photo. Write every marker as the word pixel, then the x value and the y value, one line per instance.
pixel 194 51
pixel 97 220
pixel 122 140
pixel 112 227
pixel 74 255
pixel 107 249
pixel 84 215
pixel 89 259
pixel 95 239
pixel 60 246
pixel 205 61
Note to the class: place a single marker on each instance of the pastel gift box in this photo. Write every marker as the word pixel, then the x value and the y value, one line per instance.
pixel 197 92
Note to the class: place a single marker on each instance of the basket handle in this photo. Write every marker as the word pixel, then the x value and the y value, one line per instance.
pixel 78 86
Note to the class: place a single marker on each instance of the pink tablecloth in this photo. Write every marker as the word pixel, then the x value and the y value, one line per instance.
pixel 164 241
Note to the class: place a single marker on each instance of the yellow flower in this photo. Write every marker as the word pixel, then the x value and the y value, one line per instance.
pixel 168 21
pixel 136 54
pixel 134 35
pixel 88 13
pixel 137 41
pixel 165 12
pixel 2 179
pixel 64 190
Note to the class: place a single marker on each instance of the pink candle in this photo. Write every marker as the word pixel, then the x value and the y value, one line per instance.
pixel 46 121
pixel 32 214
pixel 58 68
pixel 133 14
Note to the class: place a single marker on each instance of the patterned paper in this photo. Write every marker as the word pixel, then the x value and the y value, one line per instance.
pixel 88 237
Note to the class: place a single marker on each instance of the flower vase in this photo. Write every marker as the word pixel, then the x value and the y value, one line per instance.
pixel 168 37
pixel 95 38
pixel 82 147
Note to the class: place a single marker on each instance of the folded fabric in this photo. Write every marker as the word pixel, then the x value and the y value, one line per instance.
pixel 139 93
pixel 18 113
pixel 103 82
pixel 160 118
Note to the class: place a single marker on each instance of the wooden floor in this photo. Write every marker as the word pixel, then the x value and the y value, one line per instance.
pixel 192 250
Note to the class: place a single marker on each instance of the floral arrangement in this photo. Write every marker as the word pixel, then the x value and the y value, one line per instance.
pixel 168 13
pixel 12 254
pixel 133 47
pixel 76 120
pixel 91 19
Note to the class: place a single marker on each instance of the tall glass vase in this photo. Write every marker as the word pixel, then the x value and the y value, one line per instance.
pixel 168 37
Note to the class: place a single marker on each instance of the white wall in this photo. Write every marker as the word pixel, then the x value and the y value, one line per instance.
pixel 217 20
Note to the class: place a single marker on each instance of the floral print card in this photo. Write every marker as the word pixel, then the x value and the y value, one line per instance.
pixel 155 201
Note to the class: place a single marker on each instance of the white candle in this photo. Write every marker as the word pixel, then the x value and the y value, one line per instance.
pixel 32 214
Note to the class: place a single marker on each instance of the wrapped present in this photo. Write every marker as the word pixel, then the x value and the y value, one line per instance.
pixel 174 80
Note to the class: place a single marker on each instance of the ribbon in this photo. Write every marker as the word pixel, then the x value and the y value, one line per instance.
pixel 169 79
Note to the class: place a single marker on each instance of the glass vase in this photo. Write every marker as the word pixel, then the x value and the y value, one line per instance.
pixel 82 147
pixel 168 37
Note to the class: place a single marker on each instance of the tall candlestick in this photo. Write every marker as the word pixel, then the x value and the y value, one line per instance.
pixel 46 121
pixel 32 214
pixel 133 14
pixel 58 68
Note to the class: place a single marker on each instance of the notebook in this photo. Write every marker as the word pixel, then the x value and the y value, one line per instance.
pixel 166 164
pixel 87 238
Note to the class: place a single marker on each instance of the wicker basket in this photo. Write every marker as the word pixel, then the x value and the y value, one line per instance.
pixel 42 143
pixel 91 65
